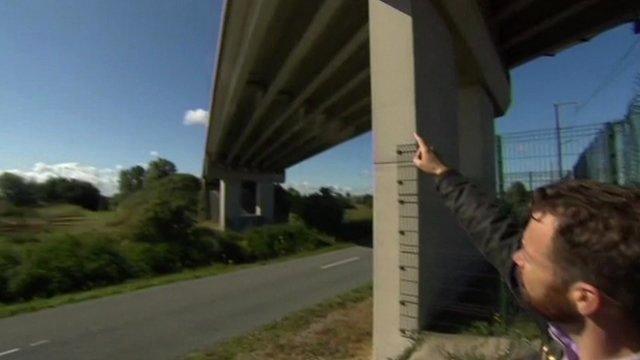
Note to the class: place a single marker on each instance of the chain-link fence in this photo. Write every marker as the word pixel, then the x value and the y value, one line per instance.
pixel 604 152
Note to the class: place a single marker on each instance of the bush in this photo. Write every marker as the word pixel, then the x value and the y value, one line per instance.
pixel 53 267
pixel 278 240
pixel 149 259
pixel 104 264
pixel 67 263
pixel 221 246
pixel 9 260
pixel 179 189
pixel 164 222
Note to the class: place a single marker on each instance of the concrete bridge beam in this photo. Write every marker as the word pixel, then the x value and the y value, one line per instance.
pixel 357 41
pixel 310 36
pixel 252 27
pixel 318 114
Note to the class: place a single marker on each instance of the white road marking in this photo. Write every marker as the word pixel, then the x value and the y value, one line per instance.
pixel 340 263
pixel 39 343
pixel 9 351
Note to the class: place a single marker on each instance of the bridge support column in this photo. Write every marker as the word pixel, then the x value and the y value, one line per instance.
pixel 477 137
pixel 230 206
pixel 265 201
pixel 212 200
pixel 226 195
pixel 425 78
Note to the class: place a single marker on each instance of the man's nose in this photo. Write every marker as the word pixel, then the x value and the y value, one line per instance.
pixel 517 257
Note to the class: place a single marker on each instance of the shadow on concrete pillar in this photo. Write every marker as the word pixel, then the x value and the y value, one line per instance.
pixel 212 207
pixel 230 203
pixel 265 193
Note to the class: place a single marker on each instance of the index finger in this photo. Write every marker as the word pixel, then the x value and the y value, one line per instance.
pixel 421 142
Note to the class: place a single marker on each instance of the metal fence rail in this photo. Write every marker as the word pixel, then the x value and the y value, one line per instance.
pixel 605 152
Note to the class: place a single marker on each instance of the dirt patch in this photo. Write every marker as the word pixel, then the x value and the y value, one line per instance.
pixel 342 334
pixel 337 329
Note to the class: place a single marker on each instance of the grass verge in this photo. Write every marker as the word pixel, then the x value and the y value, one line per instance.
pixel 340 328
pixel 137 284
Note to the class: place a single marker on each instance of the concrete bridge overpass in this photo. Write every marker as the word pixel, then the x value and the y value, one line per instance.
pixel 296 77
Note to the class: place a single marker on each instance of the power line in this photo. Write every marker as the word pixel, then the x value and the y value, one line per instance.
pixel 615 71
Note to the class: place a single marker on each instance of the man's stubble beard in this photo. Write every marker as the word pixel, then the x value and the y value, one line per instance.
pixel 554 305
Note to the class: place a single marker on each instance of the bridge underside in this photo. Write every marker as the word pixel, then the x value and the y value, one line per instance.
pixel 295 78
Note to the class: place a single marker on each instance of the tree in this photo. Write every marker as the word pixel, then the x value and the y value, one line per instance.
pixel 323 210
pixel 177 188
pixel 131 180
pixel 281 204
pixel 71 191
pixel 367 200
pixel 517 199
pixel 158 169
pixel 16 190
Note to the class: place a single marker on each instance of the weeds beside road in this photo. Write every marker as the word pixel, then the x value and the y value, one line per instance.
pixel 340 328
pixel 137 284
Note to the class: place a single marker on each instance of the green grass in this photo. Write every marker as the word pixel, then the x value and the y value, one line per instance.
pixel 521 327
pixel 277 335
pixel 359 213
pixel 61 211
pixel 136 284
pixel 41 221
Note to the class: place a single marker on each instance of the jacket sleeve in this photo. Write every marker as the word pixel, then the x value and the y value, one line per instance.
pixel 492 230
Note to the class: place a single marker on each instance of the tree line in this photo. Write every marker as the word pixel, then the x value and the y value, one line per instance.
pixel 20 191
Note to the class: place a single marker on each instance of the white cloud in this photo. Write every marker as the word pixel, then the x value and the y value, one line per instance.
pixel 154 153
pixel 196 117
pixel 106 180
pixel 305 187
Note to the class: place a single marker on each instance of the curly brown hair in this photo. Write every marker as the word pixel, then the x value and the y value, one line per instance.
pixel 598 237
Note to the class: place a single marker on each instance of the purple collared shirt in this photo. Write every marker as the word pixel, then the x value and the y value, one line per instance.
pixel 569 347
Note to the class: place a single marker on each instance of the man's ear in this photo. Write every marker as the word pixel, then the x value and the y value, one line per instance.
pixel 586 298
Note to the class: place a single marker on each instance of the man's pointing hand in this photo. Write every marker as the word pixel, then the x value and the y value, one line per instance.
pixel 426 158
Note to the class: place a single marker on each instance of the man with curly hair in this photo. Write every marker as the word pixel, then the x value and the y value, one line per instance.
pixel 576 263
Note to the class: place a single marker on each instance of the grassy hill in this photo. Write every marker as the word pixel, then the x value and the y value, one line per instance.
pixel 36 222
pixel 358 213
pixel 39 221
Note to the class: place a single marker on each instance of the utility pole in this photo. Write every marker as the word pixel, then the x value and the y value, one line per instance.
pixel 556 107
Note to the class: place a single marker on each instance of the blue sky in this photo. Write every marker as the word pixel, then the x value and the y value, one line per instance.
pixel 90 86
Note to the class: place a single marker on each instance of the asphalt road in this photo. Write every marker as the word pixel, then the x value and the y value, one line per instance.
pixel 167 322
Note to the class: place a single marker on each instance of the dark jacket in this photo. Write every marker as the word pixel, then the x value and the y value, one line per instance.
pixel 492 230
